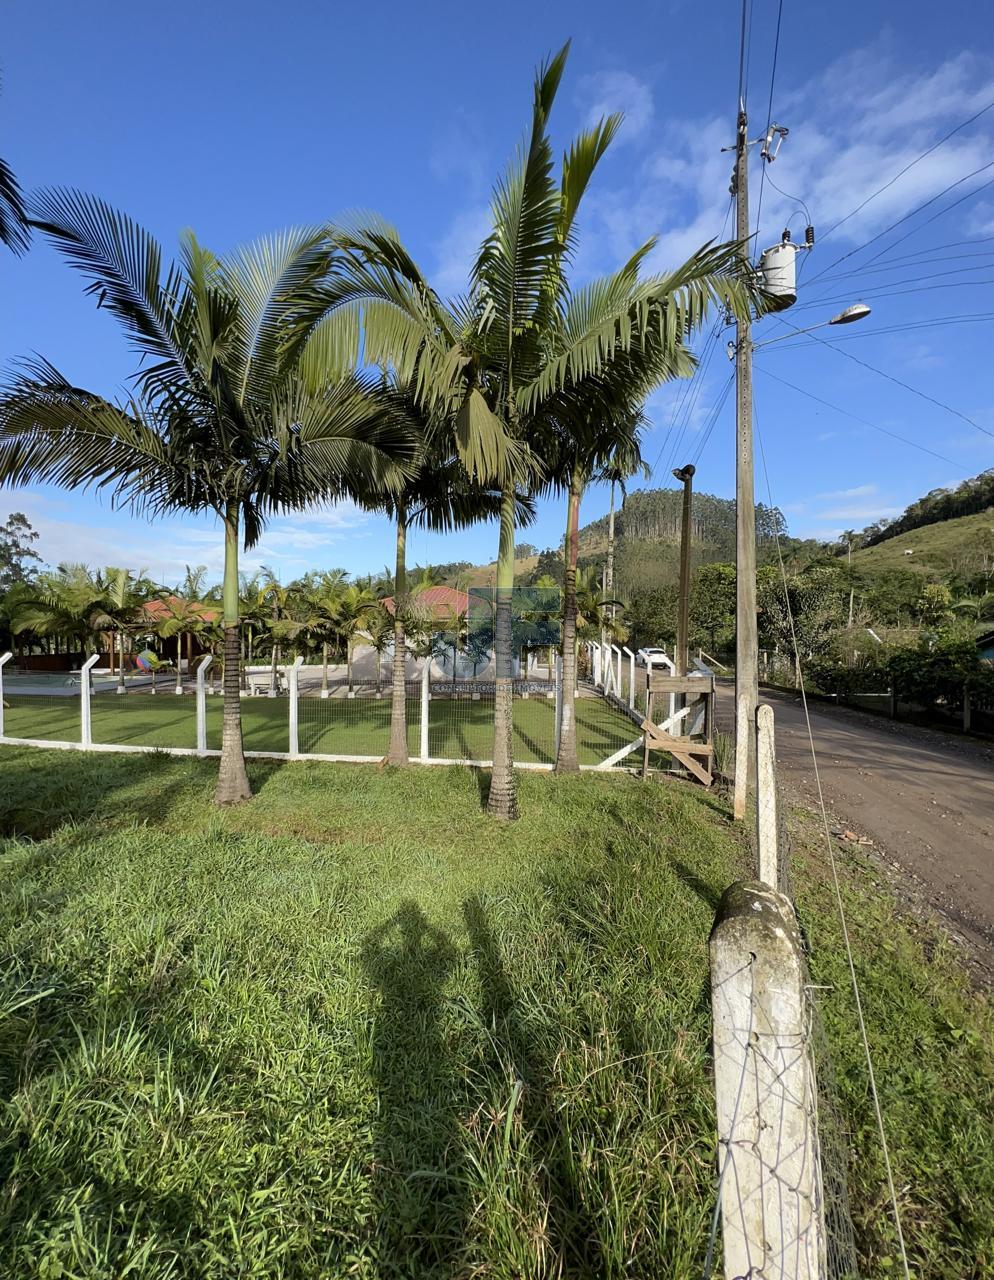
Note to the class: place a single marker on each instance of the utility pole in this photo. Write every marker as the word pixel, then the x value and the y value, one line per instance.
pixel 686 477
pixel 746 631
pixel 609 583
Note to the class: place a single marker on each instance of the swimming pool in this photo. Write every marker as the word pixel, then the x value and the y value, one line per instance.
pixel 52 680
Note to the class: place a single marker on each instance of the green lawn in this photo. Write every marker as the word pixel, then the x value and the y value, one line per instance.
pixel 461 729
pixel 355 1028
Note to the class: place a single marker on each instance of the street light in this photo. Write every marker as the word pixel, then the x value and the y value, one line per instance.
pixel 849 315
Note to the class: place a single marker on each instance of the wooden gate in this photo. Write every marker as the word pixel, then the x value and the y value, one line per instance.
pixel 694 747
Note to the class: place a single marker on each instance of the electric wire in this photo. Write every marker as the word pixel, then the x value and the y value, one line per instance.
pixel 907 262
pixel 923 395
pixel 907 167
pixel 691 402
pixel 854 980
pixel 913 444
pixel 789 345
pixel 941 213
pixel 695 380
pixel 896 293
pixel 712 420
pixel 769 116
pixel 904 218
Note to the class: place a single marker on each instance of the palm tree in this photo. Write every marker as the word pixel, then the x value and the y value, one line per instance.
pixel 979 608
pixel 241 407
pixel 379 631
pixel 355 605
pixel 504 360
pixel 14 230
pixel 600 442
pixel 324 593
pixel 125 595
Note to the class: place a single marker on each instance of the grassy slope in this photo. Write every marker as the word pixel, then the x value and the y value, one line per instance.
pixel 354 1028
pixel 936 546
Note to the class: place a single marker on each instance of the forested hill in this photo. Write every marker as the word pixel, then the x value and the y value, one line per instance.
pixel 654 515
pixel 937 506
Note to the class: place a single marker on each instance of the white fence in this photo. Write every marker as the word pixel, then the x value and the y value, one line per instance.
pixel 448 720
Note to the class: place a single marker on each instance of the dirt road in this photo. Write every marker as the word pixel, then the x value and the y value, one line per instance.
pixel 925 799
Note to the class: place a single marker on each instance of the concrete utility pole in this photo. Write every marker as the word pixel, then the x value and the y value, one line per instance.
pixel 686 477
pixel 746 631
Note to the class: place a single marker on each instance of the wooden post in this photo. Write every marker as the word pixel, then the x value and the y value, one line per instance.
pixel 767 829
pixel 967 710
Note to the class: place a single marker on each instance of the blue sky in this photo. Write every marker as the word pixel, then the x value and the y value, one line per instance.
pixel 238 119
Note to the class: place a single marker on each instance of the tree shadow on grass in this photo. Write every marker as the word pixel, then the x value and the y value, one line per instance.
pixel 570 1220
pixel 41 792
pixel 420 1190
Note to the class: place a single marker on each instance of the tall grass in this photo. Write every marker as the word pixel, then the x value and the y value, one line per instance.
pixel 356 1029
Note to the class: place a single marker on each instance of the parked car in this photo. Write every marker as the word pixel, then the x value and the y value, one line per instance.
pixel 650 656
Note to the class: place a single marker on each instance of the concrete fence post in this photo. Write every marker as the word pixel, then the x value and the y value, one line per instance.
pixel 4 659
pixel 559 701
pixel 596 651
pixel 631 676
pixel 293 682
pixel 202 704
pixel 425 700
pixel 770 1184
pixel 767 821
pixel 85 700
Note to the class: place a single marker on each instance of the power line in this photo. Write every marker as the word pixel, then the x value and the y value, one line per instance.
pixel 742 59
pixel 980 317
pixel 908 262
pixel 942 212
pixel 899 382
pixel 896 293
pixel 854 981
pixel 715 414
pixel 924 205
pixel 769 116
pixel 856 418
pixel 917 160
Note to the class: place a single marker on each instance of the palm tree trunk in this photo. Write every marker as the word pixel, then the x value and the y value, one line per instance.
pixel 120 665
pixel 179 662
pixel 503 801
pixel 566 760
pixel 397 751
pixel 232 782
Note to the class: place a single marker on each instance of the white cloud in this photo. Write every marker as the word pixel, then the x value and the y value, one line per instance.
pixel 851 130
pixel 79 529
pixel 606 92
pixel 858 491
pixel 457 249
pixel 863 512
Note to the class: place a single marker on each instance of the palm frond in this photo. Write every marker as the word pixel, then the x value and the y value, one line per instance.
pixel 14 232
pixel 123 263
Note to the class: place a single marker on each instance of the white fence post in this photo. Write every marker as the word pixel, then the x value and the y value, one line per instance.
pixel 425 697
pixel 86 721
pixel 596 650
pixel 616 675
pixel 767 831
pixel 559 700
pixel 631 675
pixel 770 1183
pixel 293 675
pixel 202 704
pixel 4 659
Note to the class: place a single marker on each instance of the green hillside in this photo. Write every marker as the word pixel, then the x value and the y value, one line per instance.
pixel 948 547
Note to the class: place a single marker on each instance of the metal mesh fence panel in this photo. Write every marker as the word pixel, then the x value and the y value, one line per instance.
pixel 49 717
pixel 357 726
pixel 265 723
pixel 143 719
